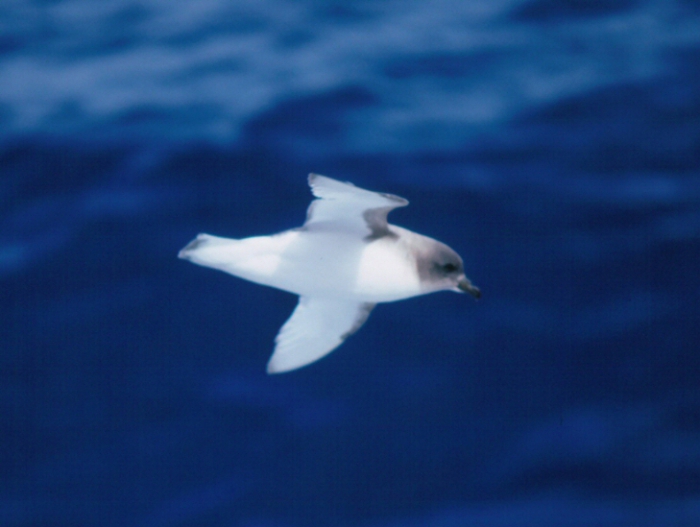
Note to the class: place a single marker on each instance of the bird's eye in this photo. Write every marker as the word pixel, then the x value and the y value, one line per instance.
pixel 449 268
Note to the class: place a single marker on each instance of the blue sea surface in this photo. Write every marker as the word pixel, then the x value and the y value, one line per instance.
pixel 554 144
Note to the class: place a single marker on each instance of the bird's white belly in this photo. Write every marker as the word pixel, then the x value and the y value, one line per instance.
pixel 327 264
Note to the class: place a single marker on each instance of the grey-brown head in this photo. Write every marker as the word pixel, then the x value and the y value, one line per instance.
pixel 440 268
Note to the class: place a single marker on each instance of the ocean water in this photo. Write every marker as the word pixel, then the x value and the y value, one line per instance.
pixel 554 144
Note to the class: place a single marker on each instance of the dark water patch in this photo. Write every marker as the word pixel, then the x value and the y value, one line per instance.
pixel 156 118
pixel 295 38
pixel 307 124
pixel 558 11
pixel 623 128
pixel 340 12
pixel 442 65
pixel 10 44
pixel 229 22
pixel 214 66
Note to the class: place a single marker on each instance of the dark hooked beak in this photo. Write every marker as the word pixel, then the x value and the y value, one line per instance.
pixel 466 286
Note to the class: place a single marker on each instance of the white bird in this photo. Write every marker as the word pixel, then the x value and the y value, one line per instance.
pixel 344 259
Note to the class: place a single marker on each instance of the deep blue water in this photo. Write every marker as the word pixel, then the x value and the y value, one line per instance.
pixel 554 144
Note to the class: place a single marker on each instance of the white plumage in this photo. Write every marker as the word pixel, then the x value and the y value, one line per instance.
pixel 342 261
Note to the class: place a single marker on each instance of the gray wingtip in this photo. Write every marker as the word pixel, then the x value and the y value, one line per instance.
pixel 274 367
pixel 271 370
pixel 400 202
pixel 316 179
pixel 317 182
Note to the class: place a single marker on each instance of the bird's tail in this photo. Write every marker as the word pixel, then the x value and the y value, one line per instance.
pixel 256 258
pixel 209 251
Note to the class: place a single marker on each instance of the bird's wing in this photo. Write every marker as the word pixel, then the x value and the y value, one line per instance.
pixel 344 206
pixel 317 327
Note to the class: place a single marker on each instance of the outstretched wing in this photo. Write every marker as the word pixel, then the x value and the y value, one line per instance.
pixel 317 327
pixel 347 207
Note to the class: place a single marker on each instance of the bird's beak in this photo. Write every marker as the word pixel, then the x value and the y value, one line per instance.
pixel 466 286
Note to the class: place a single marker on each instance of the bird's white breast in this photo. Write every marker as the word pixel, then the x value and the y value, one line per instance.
pixel 387 272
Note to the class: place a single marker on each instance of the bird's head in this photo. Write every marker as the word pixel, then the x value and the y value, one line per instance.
pixel 441 268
